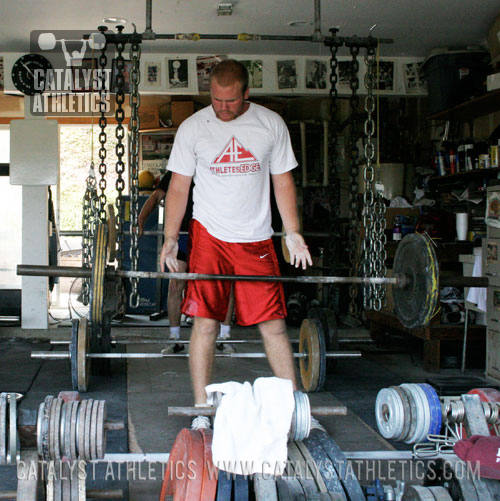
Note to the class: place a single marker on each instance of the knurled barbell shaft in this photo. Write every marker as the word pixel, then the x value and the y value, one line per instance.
pixel 318 410
pixel 74 271
pixel 59 355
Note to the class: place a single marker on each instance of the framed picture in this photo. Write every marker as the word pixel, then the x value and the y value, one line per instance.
pixel 414 80
pixel 177 74
pixel 152 73
pixel 204 65
pixel 344 76
pixel 254 68
pixel 316 72
pixel 157 146
pixel 83 76
pixel 286 71
pixel 126 77
pixel 386 75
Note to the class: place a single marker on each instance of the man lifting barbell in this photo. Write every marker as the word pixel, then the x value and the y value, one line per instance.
pixel 230 150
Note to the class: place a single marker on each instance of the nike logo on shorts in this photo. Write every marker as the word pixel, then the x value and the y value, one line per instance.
pixel 262 257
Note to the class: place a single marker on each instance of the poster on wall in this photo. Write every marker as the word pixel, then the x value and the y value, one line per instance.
pixel 204 65
pixel 152 73
pixel 344 76
pixel 414 81
pixel 386 75
pixel 177 74
pixel 287 74
pixel 254 68
pixel 315 74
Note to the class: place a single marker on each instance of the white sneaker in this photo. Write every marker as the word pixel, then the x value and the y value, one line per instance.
pixel 201 423
pixel 172 348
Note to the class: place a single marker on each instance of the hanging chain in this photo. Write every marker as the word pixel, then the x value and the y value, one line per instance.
pixel 379 236
pixel 120 147
pixel 370 247
pixel 333 181
pixel 353 231
pixel 135 100
pixel 89 217
pixel 103 61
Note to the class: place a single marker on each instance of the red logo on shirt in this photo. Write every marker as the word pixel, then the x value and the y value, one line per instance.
pixel 234 152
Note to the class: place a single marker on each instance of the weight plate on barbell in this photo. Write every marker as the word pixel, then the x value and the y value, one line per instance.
pixel 417 493
pixel 12 453
pixel 83 362
pixel 312 367
pixel 264 487
pixel 435 408
pixel 101 432
pixel 241 489
pixel 3 428
pixel 93 429
pixel 88 423
pixel 312 466
pixel 415 261
pixel 406 412
pixel 327 318
pixel 325 466
pixel 457 483
pixel 80 430
pixel 289 489
pixel 73 353
pixel 412 416
pixel 389 413
pixel 98 275
pixel 73 436
pixel 224 486
pixel 111 220
pixel 347 477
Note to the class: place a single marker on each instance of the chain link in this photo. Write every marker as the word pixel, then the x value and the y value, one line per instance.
pixel 119 148
pixel 353 230
pixel 103 61
pixel 135 99
pixel 333 180
pixel 374 253
pixel 89 219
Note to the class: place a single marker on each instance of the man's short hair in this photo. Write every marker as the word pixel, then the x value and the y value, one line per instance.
pixel 229 71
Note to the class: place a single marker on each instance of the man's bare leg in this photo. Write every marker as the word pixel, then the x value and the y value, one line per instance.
pixel 174 300
pixel 278 349
pixel 201 355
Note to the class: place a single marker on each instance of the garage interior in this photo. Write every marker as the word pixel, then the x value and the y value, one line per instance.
pixel 394 118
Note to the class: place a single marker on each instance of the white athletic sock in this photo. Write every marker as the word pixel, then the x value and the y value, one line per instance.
pixel 175 332
pixel 224 331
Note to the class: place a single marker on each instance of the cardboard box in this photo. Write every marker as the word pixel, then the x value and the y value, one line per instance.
pixel 180 111
pixel 148 115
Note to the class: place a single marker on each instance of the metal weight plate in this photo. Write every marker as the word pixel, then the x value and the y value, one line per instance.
pixel 93 429
pixel 347 477
pixel 301 416
pixel 111 220
pixel 56 431
pixel 73 354
pixel 241 488
pixel 73 439
pixel 3 428
pixel 389 413
pixel 312 466
pixel 44 430
pixel 289 489
pixel 66 439
pixel 88 422
pixel 457 483
pixel 413 415
pixel 406 412
pixel 424 410
pixel 224 486
pixel 97 276
pixel 184 473
pixel 209 486
pixel 296 464
pixel 440 493
pixel 416 262
pixel 80 428
pixel 417 493
pixel 13 452
pixel 435 408
pixel 101 431
pixel 329 323
pixel 325 466
pixel 312 343
pixel 264 488
pixel 83 362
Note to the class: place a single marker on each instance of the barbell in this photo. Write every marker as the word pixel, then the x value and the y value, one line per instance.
pixel 312 355
pixel 415 282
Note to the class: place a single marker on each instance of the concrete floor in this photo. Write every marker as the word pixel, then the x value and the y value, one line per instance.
pixel 154 384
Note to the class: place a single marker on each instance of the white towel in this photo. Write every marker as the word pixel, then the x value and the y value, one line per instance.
pixel 251 425
pixel 477 295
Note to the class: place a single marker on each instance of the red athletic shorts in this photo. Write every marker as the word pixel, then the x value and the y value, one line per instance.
pixel 254 302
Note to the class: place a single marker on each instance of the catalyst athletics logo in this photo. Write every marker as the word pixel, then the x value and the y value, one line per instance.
pixel 72 82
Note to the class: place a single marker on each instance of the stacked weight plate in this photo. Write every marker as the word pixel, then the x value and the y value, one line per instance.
pixel 409 412
pixel 9 439
pixel 73 430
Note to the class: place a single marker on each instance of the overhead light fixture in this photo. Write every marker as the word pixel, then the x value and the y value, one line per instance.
pixel 298 24
pixel 224 9
pixel 114 20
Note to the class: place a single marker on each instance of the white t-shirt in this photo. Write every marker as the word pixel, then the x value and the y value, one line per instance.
pixel 231 163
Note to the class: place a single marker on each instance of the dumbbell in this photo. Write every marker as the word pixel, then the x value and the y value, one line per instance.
pixel 47 41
